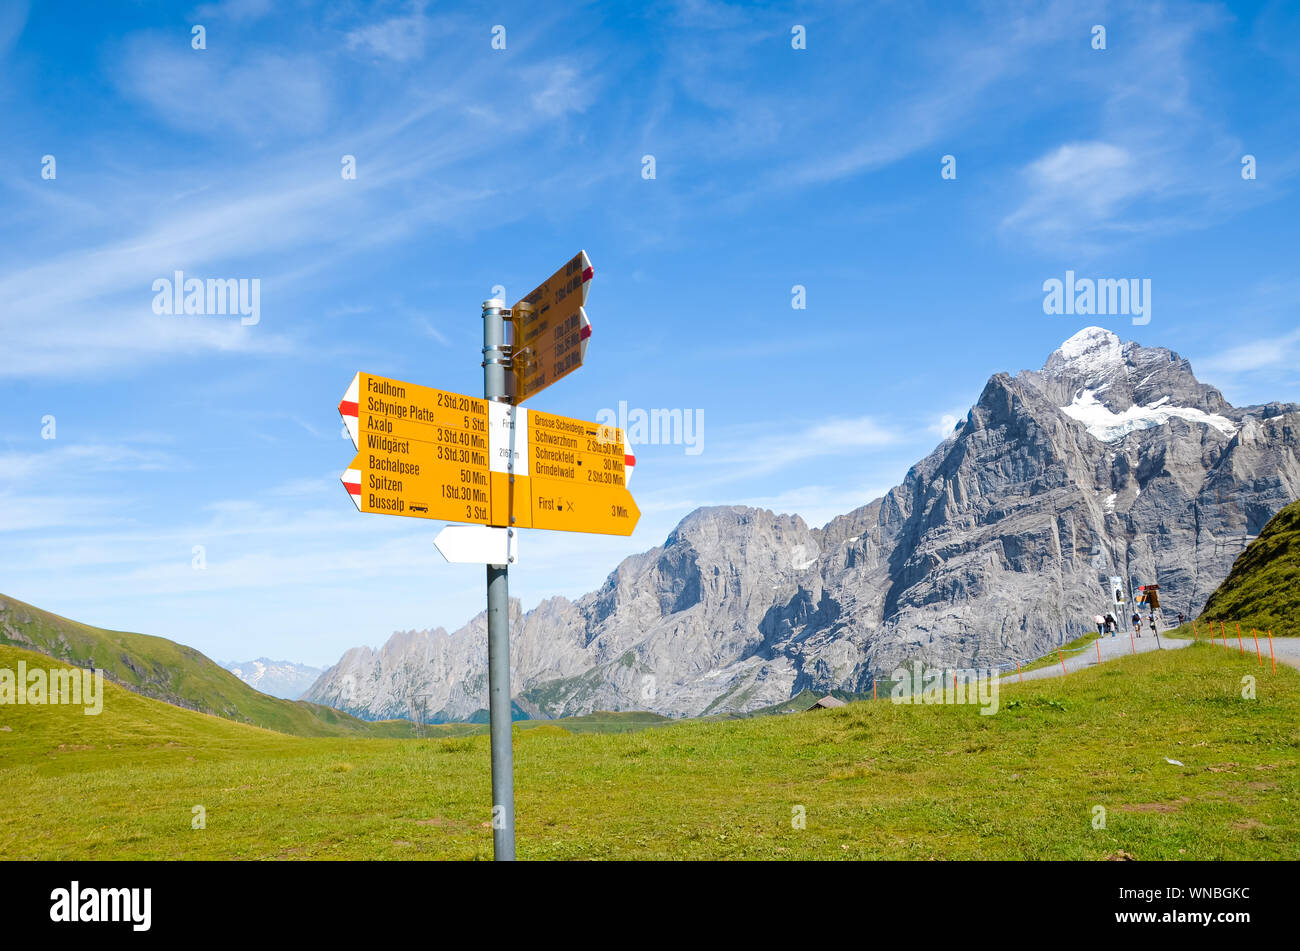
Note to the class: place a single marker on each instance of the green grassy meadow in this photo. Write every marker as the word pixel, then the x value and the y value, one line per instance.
pixel 875 779
pixel 1263 588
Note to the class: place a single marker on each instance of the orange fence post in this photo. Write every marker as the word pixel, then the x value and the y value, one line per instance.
pixel 1098 643
pixel 1224 631
pixel 1061 654
pixel 1132 643
pixel 1239 643
pixel 1270 651
pixel 1257 653
pixel 1194 634
pixel 873 690
pixel 1020 678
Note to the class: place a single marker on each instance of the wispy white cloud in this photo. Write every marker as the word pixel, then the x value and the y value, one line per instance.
pixel 559 88
pixel 427 328
pixel 285 219
pixel 1267 353
pixel 746 452
pixel 236 10
pixel 964 71
pixel 1158 160
pixel 1079 186
pixel 13 18
pixel 44 512
pixel 945 424
pixel 255 95
pixel 88 457
pixel 399 38
pixel 817 504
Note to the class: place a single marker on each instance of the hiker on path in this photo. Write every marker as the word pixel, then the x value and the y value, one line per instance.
pixel 1101 624
pixel 1137 623
pixel 1110 624
pixel 1180 620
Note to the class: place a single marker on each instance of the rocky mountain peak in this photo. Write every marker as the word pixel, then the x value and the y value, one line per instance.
pixel 1113 460
pixel 1091 358
pixel 707 522
pixel 1115 388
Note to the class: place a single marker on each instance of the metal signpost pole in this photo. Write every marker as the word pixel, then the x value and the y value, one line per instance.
pixel 495 361
pixel 472 477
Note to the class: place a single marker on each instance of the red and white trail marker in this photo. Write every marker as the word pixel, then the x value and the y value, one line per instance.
pixel 348 410
pixel 351 480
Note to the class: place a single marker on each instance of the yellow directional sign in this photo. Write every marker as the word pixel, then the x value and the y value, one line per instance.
pixel 577 476
pixel 600 510
pixel 429 453
pixel 551 328
pixel 423 452
pixel 573 450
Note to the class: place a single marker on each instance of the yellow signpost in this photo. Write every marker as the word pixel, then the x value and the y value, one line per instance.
pixel 423 452
pixel 551 328
pixel 577 476
pixel 428 453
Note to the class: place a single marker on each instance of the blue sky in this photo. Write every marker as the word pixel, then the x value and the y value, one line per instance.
pixel 477 167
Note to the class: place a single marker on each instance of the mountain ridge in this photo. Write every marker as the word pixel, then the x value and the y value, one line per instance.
pixel 1113 459
pixel 285 679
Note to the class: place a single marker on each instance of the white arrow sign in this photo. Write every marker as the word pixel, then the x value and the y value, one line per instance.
pixel 478 545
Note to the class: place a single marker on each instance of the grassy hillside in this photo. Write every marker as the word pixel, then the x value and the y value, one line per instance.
pixel 1263 588
pixel 165 670
pixel 874 779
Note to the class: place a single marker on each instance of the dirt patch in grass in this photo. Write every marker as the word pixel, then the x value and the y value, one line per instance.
pixel 1154 806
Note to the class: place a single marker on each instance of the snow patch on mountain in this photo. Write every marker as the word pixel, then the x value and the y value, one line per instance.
pixel 1110 427
pixel 1093 354
pixel 277 678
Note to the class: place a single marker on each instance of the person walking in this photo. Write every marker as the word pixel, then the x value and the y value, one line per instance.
pixel 1137 624
pixel 1100 622
pixel 1110 623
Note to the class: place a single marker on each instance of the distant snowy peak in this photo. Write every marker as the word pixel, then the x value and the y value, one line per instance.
pixel 1092 357
pixel 278 678
pixel 1136 387
pixel 1111 427
pixel 1090 341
